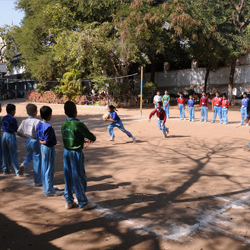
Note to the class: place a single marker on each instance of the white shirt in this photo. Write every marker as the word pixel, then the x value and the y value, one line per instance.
pixel 157 98
pixel 28 127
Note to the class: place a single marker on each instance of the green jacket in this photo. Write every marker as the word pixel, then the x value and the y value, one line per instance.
pixel 74 132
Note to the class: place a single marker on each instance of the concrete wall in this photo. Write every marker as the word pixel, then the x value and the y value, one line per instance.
pixel 3 68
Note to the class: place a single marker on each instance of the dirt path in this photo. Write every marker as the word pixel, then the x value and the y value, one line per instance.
pixel 189 191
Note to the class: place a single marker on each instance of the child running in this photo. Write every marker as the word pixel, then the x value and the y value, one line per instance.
pixel 216 107
pixel 46 135
pixel 116 122
pixel 9 142
pixel 161 114
pixel 27 130
pixel 243 110
pixel 191 103
pixel 204 103
pixel 166 103
pixel 225 104
pixel 74 133
pixel 181 100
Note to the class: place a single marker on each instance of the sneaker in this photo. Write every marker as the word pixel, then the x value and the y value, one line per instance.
pixel 212 121
pixel 88 206
pixel 21 169
pixel 57 193
pixel 38 184
pixel 184 119
pixel 240 124
pixel 247 124
pixel 69 205
pixel 111 139
pixel 205 121
pixel 192 120
pixel 189 120
pixel 221 122
pixel 134 139
pixel 23 175
pixel 164 136
pixel 181 118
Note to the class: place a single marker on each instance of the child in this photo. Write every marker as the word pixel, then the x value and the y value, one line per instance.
pixel 225 104
pixel 181 100
pixel 46 135
pixel 116 122
pixel 157 98
pixel 9 142
pixel 243 109
pixel 166 103
pixel 27 130
pixel 74 133
pixel 216 107
pixel 1 162
pixel 161 114
pixel 204 103
pixel 191 103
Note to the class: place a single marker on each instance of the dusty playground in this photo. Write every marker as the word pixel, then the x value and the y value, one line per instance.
pixel 188 191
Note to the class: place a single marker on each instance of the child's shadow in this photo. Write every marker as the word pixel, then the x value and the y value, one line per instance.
pixel 177 136
pixel 137 141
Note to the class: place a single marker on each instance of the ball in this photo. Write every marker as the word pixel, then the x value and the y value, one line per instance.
pixel 105 116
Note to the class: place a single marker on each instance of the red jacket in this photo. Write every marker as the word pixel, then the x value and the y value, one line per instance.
pixel 204 101
pixel 217 101
pixel 225 104
pixel 161 114
pixel 181 100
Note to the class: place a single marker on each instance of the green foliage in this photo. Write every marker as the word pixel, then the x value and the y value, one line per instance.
pixel 149 87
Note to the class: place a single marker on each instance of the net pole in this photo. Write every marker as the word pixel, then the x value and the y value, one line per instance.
pixel 141 89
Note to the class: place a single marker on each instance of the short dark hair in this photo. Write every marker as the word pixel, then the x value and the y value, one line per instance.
pixel 203 92
pixel 70 109
pixel 45 112
pixel 31 109
pixel 224 95
pixel 181 93
pixel 160 103
pixel 10 108
pixel 112 107
pixel 245 93
pixel 218 92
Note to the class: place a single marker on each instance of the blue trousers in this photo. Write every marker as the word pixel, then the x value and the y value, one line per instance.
pixel 163 128
pixel 217 110
pixel 182 111
pixel 48 167
pixel 119 125
pixel 166 109
pixel 191 113
pixel 75 176
pixel 243 112
pixel 224 115
pixel 10 153
pixel 1 153
pixel 34 154
pixel 204 115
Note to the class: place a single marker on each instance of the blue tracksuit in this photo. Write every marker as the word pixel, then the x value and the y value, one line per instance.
pixel 191 103
pixel 9 144
pixel 117 123
pixel 45 132
pixel 243 110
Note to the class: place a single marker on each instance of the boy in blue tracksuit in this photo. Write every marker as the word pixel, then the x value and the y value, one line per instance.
pixel 243 110
pixel 191 103
pixel 9 142
pixel 27 130
pixel 46 135
pixel 74 133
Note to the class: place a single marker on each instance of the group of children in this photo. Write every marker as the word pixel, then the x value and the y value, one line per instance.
pixel 40 143
pixel 219 107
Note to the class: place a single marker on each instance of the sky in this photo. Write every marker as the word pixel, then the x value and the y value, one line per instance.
pixel 8 14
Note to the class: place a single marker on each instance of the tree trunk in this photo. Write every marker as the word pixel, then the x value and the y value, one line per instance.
pixel 208 69
pixel 231 81
pixel 152 77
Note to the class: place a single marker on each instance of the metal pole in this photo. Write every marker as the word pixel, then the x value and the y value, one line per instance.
pixel 99 100
pixel 86 99
pixel 141 89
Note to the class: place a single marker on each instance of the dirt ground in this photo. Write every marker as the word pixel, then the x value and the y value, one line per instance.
pixel 188 191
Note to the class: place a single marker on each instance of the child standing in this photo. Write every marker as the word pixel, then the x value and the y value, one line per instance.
pixel 225 104
pixel 46 135
pixel 216 107
pixel 9 142
pixel 191 103
pixel 74 133
pixel 204 103
pixel 161 114
pixel 116 122
pixel 27 130
pixel 243 110
pixel 181 100
pixel 157 98
pixel 166 103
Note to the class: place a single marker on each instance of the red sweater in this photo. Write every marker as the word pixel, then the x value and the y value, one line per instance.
pixel 161 114
pixel 204 101
pixel 225 104
pixel 217 101
pixel 181 100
